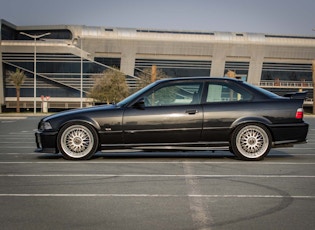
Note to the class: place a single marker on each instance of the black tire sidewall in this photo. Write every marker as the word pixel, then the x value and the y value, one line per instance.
pixel 95 137
pixel 234 147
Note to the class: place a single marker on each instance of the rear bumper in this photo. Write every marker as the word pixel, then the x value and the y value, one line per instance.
pixel 46 142
pixel 290 134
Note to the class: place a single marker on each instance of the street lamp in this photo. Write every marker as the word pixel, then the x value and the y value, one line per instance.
pixel 35 37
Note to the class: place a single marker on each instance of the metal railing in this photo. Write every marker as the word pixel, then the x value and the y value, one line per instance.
pixel 285 84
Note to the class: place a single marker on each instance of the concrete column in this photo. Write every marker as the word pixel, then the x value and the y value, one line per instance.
pixel 255 70
pixel 1 77
pixel 128 58
pixel 218 61
pixel 255 66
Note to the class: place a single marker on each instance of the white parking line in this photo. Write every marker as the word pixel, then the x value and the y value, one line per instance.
pixel 17 135
pixel 19 138
pixel 12 118
pixel 297 148
pixel 19 147
pixel 199 210
pixel 22 133
pixel 157 175
pixel 152 195
pixel 14 142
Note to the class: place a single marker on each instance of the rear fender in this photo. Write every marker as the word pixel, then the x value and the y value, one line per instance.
pixel 251 120
pixel 244 120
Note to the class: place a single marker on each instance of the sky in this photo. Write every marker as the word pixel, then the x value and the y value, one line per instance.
pixel 282 17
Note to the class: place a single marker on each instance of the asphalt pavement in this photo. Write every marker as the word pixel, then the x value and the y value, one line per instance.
pixel 152 190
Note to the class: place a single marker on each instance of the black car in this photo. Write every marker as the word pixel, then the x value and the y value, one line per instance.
pixel 199 113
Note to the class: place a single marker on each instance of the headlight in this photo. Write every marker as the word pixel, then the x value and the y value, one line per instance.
pixel 45 126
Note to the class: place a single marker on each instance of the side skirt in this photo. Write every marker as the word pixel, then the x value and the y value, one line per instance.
pixel 199 146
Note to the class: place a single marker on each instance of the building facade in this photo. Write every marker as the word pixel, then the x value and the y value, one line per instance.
pixel 69 57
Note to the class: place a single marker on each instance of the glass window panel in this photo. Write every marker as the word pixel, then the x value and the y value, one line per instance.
pixel 176 68
pixel 223 93
pixel 176 94
pixel 286 71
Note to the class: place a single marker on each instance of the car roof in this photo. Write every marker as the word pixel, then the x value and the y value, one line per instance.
pixel 200 78
pixel 259 92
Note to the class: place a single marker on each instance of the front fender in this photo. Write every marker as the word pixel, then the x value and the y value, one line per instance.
pixel 81 119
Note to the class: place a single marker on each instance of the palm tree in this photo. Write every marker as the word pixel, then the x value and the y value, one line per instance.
pixel 17 79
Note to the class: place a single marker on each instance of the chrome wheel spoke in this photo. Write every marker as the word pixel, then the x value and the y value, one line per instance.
pixel 253 141
pixel 77 141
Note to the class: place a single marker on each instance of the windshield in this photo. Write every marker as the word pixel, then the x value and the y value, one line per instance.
pixel 132 97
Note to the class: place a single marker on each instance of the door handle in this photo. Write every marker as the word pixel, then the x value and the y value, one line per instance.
pixel 191 111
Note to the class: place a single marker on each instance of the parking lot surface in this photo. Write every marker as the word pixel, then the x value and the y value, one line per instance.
pixel 152 190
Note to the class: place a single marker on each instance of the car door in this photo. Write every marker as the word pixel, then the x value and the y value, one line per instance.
pixel 223 104
pixel 170 113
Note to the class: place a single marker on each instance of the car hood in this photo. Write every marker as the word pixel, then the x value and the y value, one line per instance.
pixel 76 112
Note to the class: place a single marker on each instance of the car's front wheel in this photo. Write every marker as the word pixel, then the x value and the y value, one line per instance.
pixel 77 141
pixel 251 142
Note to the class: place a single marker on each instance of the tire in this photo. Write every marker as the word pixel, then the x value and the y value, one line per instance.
pixel 77 141
pixel 251 142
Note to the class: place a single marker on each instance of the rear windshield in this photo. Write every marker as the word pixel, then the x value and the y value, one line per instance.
pixel 263 91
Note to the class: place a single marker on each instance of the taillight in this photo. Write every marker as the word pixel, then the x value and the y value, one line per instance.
pixel 299 113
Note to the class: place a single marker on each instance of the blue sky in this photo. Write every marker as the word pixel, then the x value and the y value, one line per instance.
pixel 292 17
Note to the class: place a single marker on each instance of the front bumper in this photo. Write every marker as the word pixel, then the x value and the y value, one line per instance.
pixel 46 142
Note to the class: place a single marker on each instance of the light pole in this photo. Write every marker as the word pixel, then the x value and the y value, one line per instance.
pixel 35 37
pixel 75 43
pixel 313 78
pixel 81 74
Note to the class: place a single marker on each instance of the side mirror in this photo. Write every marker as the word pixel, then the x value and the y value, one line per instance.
pixel 139 104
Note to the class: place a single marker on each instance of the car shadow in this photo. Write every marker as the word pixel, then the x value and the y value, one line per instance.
pixel 164 154
pixel 46 156
pixel 132 154
pixel 278 154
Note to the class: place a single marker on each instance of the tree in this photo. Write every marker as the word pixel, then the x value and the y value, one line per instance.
pixel 17 78
pixel 109 87
pixel 145 76
pixel 231 74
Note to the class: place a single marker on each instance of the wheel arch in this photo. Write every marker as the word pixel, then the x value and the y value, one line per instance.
pixel 251 120
pixel 84 121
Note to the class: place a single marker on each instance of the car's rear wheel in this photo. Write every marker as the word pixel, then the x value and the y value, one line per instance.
pixel 77 141
pixel 251 142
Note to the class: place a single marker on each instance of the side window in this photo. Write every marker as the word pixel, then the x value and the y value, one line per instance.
pixel 224 93
pixel 175 94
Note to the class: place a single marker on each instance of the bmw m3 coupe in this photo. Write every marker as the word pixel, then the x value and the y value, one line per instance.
pixel 198 113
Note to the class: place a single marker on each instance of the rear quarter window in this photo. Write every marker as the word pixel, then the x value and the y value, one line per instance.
pixel 218 92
